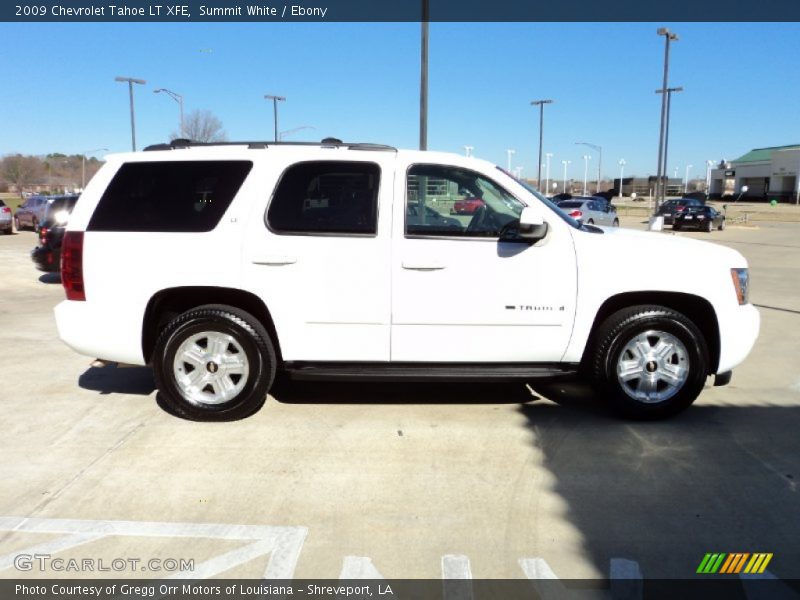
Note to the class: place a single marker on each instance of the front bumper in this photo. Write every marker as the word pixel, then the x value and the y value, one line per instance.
pixel 738 333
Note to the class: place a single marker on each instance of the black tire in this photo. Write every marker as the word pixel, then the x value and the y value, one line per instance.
pixel 615 223
pixel 612 345
pixel 16 223
pixel 709 226
pixel 590 222
pixel 9 231
pixel 676 226
pixel 721 225
pixel 252 339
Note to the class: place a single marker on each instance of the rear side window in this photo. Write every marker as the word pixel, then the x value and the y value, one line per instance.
pixel 185 196
pixel 338 197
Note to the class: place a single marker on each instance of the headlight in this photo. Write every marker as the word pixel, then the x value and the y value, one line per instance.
pixel 61 217
pixel 741 283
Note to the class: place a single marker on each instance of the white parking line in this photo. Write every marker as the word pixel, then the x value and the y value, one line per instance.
pixel 284 544
pixel 359 567
pixel 57 545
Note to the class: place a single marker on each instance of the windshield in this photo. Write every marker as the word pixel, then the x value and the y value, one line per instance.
pixel 549 204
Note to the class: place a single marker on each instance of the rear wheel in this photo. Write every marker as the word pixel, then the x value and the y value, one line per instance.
pixel 615 223
pixel 649 362
pixel 214 362
pixel 709 226
pixel 590 222
pixel 676 226
pixel 721 225
pixel 16 223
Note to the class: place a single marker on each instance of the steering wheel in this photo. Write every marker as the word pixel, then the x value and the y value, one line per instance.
pixel 477 220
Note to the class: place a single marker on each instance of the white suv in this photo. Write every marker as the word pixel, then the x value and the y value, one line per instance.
pixel 221 263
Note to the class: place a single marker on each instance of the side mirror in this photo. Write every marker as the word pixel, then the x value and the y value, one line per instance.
pixel 531 225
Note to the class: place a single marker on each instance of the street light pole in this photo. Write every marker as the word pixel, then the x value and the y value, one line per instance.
pixel 660 186
pixel 179 99
pixel 423 79
pixel 621 169
pixel 599 162
pixel 540 104
pixel 468 150
pixel 275 100
pixel 565 163
pixel 669 92
pixel 509 152
pixel 686 180
pixel 709 164
pixel 83 164
pixel 548 156
pixel 130 81
pixel 586 159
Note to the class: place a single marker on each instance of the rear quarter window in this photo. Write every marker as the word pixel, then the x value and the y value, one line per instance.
pixel 170 196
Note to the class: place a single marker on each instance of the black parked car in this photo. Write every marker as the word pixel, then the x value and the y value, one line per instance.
pixel 47 255
pixel 705 218
pixel 673 207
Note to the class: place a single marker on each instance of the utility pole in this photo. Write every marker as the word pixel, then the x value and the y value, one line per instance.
pixel 660 185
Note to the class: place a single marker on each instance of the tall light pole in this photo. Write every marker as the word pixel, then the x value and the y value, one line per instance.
pixel 621 170
pixel 468 150
pixel 565 163
pixel 686 180
pixel 709 164
pixel 275 100
pixel 83 163
pixel 586 159
pixel 509 153
pixel 668 94
pixel 540 104
pixel 130 81
pixel 660 185
pixel 548 156
pixel 599 162
pixel 179 99
pixel 423 78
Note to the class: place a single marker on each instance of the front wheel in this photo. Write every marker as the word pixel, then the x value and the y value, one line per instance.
pixel 214 363
pixel 615 223
pixel 649 362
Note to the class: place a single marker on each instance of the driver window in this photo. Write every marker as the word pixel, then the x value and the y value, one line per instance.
pixel 455 202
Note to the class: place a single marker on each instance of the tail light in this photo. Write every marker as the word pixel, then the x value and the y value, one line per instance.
pixel 72 265
pixel 5 209
pixel 576 214
pixel 43 235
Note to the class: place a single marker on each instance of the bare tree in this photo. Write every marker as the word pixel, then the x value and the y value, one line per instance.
pixel 202 126
pixel 20 170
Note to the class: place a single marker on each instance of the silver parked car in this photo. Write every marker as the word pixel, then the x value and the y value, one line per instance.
pixel 5 218
pixel 591 211
pixel 31 213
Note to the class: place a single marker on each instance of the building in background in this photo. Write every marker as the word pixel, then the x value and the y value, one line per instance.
pixel 768 174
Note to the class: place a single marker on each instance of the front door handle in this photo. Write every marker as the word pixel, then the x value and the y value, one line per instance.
pixel 423 265
pixel 275 260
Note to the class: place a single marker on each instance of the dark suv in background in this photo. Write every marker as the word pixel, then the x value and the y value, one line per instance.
pixel 47 255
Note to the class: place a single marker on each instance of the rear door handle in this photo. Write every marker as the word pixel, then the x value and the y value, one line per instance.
pixel 275 260
pixel 430 265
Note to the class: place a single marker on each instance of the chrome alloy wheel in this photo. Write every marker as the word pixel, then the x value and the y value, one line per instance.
pixel 210 368
pixel 653 366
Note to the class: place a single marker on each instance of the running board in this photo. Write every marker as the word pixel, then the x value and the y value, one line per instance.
pixel 306 371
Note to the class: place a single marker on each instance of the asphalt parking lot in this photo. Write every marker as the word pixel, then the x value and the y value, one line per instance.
pixel 404 481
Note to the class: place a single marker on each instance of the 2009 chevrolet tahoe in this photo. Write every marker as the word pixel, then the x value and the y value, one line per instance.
pixel 221 263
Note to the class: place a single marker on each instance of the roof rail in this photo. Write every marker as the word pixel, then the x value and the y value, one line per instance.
pixel 181 143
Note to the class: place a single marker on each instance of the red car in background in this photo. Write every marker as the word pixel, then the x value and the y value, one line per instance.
pixel 467 206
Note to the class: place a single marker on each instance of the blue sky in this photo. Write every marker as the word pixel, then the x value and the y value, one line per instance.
pixel 360 82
